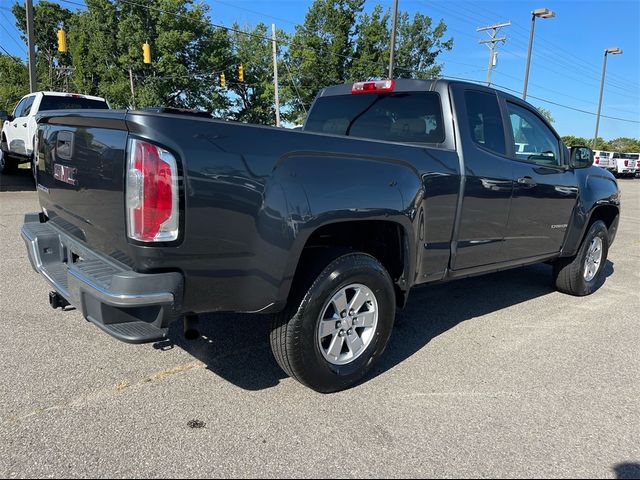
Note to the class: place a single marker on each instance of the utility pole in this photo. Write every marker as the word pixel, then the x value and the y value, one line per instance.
pixel 31 46
pixel 393 38
pixel 133 91
pixel 275 73
pixel 493 39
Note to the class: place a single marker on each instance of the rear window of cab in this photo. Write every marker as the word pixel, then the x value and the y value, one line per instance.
pixel 51 102
pixel 408 117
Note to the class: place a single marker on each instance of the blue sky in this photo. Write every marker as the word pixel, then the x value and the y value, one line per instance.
pixel 567 51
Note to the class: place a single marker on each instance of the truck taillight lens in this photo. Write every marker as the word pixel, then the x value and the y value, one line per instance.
pixel 626 163
pixel 152 193
pixel 597 160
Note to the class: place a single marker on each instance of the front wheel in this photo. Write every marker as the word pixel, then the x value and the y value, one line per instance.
pixel 582 274
pixel 331 335
pixel 7 165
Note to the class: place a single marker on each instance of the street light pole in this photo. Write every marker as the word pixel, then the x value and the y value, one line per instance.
pixel 612 51
pixel 539 12
pixel 394 27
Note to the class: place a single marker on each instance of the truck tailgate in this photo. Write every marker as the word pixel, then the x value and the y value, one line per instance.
pixel 80 176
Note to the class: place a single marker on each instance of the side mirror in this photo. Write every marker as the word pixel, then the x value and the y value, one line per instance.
pixel 10 118
pixel 581 157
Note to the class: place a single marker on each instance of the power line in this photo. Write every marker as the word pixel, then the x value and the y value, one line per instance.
pixel 286 64
pixel 563 55
pixel 12 37
pixel 570 107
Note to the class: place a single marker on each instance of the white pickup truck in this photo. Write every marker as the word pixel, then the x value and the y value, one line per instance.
pixel 625 164
pixel 603 159
pixel 19 129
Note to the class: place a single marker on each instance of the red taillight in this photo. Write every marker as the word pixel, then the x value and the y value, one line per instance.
pixel 377 86
pixel 152 193
pixel 638 164
pixel 597 160
pixel 626 163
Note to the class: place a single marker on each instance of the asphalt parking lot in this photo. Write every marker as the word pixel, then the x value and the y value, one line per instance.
pixel 495 376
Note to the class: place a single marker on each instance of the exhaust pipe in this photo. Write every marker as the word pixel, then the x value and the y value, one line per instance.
pixel 57 301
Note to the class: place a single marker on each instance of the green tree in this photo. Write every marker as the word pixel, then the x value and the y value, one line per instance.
pixel 419 45
pixel 105 45
pixel 340 43
pixel 371 55
pixel 51 65
pixel 14 81
pixel 321 49
pixel 546 114
pixel 573 141
pixel 253 99
pixel 625 144
pixel 601 144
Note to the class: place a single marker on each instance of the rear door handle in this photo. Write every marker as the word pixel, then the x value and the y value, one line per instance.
pixel 527 181
pixel 24 124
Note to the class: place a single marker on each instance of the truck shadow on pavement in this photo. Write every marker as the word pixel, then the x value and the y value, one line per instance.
pixel 236 347
pixel 627 471
pixel 21 181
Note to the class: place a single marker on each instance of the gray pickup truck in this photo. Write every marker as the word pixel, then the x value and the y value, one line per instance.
pixel 151 217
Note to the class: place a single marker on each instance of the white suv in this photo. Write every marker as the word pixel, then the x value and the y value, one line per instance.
pixel 19 129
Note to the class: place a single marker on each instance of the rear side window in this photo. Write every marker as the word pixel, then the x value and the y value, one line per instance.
pixel 411 117
pixel 485 120
pixel 70 103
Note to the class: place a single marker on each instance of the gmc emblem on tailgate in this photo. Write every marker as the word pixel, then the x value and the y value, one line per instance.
pixel 65 174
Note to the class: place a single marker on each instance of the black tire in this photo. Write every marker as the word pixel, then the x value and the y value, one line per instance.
pixel 294 331
pixel 8 166
pixel 569 272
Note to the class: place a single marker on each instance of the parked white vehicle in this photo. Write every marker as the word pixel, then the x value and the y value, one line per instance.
pixel 625 164
pixel 603 159
pixel 636 156
pixel 18 131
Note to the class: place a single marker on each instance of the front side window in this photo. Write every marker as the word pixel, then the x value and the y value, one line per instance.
pixel 534 141
pixel 19 108
pixel 485 120
pixel 27 106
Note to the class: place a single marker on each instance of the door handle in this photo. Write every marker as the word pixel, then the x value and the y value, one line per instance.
pixel 15 125
pixel 527 181
pixel 24 125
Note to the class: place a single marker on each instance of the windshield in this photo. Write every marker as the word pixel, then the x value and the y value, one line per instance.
pixel 70 103
pixel 414 117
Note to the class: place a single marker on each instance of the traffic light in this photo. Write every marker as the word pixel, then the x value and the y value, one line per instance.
pixel 146 52
pixel 241 73
pixel 222 80
pixel 62 40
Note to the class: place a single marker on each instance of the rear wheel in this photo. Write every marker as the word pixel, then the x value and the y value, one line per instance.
pixel 331 334
pixel 582 274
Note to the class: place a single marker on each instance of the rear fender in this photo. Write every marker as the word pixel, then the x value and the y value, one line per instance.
pixel 599 189
pixel 365 189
